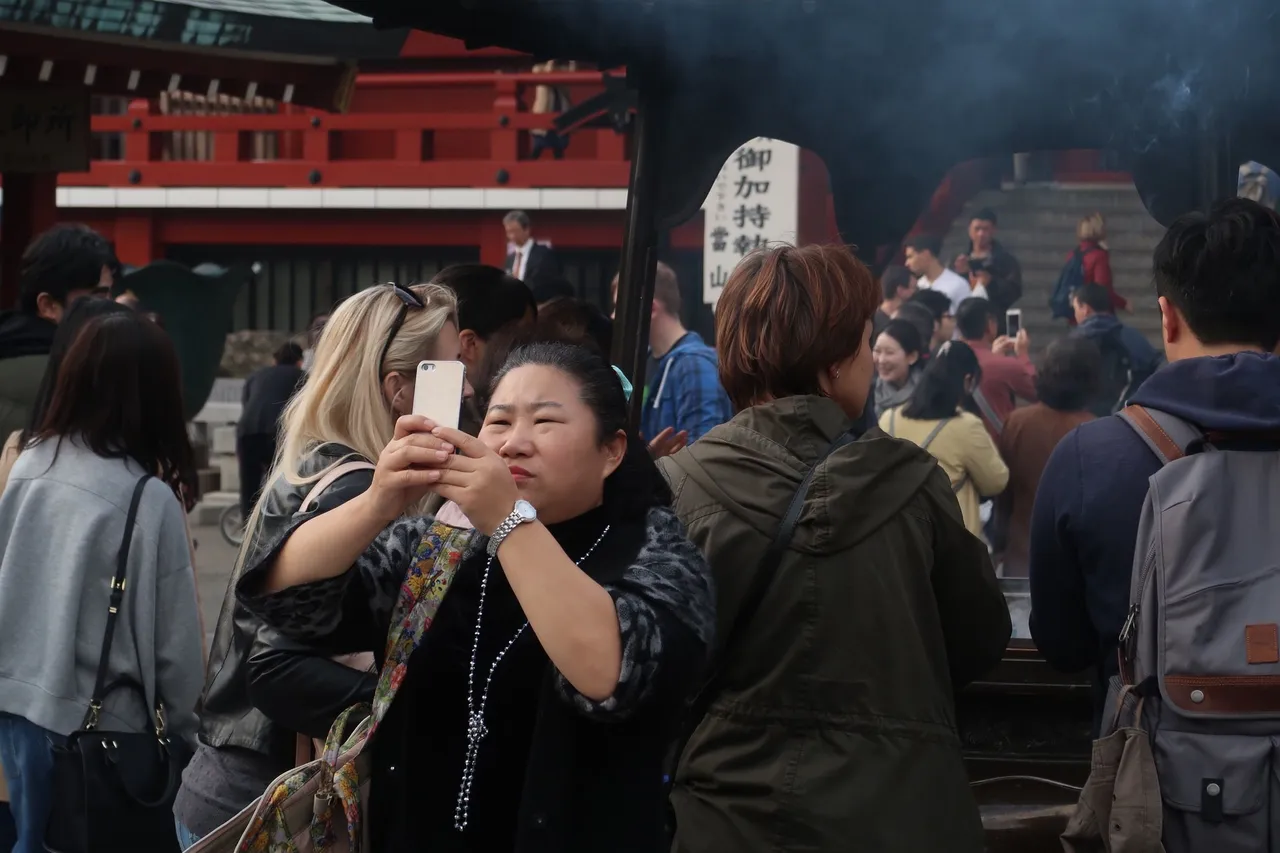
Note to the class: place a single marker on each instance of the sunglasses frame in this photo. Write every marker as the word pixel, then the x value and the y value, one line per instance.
pixel 408 299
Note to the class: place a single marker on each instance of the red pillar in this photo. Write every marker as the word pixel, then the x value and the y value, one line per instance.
pixel 30 207
pixel 135 236
pixel 492 240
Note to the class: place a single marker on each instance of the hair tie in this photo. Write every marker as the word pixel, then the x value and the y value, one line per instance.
pixel 626 383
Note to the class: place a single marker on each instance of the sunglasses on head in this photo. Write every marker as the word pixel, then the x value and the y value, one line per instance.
pixel 408 299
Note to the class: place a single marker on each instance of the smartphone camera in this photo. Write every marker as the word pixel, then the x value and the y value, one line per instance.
pixel 1013 323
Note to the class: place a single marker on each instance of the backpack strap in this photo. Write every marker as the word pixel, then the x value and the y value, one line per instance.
pixel 1168 436
pixel 984 405
pixel 753 600
pixel 928 439
pixel 330 477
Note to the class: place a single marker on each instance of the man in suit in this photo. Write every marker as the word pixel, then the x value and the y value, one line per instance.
pixel 534 264
pixel 265 395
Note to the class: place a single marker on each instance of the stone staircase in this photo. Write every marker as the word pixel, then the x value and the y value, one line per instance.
pixel 1038 225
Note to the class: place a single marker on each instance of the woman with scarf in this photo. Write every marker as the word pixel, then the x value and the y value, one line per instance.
pixel 897 356
pixel 537 710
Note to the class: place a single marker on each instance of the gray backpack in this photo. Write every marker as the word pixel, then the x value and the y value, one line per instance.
pixel 1199 650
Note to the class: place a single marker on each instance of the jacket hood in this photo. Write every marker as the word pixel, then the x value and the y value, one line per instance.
pixel 1231 393
pixel 1098 325
pixel 22 334
pixel 753 465
pixel 691 340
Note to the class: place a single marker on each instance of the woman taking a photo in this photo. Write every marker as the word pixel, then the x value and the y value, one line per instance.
pixel 361 380
pixel 897 358
pixel 114 418
pixel 536 710
pixel 939 417
pixel 838 657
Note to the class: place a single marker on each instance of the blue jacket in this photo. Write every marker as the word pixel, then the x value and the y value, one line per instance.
pixel 684 391
pixel 1143 357
pixel 1085 521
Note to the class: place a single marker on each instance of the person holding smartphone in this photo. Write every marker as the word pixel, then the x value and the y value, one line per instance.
pixel 537 710
pixel 1007 372
pixel 263 689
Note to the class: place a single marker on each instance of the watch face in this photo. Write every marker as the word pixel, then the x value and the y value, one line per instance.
pixel 525 510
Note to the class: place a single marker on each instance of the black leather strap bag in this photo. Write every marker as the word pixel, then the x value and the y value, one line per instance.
pixel 114 791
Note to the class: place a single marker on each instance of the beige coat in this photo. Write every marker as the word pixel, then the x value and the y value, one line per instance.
pixel 964 449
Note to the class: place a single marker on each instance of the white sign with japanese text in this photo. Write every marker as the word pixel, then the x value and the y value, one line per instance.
pixel 755 200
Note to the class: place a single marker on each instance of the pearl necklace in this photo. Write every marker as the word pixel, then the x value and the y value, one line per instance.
pixel 476 729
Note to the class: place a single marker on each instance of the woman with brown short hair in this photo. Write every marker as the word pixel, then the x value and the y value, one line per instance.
pixel 829 720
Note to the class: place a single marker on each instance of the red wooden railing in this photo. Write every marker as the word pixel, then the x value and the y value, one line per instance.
pixel 405 129
pixel 442 130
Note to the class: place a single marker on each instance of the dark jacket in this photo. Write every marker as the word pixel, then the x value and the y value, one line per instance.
pixel 1144 359
pixel 836 725
pixel 308 690
pixel 25 341
pixel 541 269
pixel 1085 518
pixel 1006 278
pixel 591 775
pixel 265 395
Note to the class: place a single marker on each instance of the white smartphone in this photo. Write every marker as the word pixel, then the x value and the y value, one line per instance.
pixel 1013 321
pixel 437 392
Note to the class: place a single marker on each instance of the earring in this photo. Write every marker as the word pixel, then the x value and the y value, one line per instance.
pixel 837 378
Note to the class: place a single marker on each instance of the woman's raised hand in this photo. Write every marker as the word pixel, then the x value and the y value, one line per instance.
pixel 405 471
pixel 476 479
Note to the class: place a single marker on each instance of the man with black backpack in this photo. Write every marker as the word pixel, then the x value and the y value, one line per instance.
pixel 1127 357
pixel 1218 281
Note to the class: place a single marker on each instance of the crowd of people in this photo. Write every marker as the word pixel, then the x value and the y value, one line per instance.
pixel 942 354
pixel 575 635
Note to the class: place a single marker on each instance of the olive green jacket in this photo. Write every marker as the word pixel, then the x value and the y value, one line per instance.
pixel 836 726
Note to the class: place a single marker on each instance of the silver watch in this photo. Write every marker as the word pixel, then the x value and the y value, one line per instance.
pixel 523 513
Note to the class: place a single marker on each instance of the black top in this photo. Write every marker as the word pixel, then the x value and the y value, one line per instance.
pixel 25 334
pixel 265 395
pixel 558 772
pixel 435 688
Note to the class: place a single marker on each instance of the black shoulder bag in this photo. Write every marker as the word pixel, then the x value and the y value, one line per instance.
pixel 114 791
pixel 751 602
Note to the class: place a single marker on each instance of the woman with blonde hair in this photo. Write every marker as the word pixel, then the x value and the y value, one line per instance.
pixel 331 433
pixel 1095 256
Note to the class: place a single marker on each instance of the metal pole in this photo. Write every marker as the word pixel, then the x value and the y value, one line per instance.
pixel 639 259
pixel 1217 169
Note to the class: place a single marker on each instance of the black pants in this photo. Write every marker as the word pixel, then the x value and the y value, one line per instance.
pixel 255 453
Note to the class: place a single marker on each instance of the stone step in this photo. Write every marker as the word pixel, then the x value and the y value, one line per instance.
pixel 209 479
pixel 1038 224
pixel 209 510
pixel 1074 197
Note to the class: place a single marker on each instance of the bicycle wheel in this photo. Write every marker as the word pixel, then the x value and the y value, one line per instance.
pixel 231 523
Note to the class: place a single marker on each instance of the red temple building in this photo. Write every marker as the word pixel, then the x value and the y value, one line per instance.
pixel 331 180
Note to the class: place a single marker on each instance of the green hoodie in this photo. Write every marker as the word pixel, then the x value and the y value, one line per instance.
pixel 836 725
